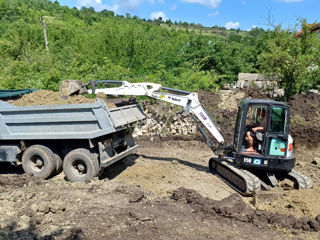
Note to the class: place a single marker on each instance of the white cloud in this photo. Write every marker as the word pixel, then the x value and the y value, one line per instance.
pixel 233 25
pixel 97 5
pixel 173 7
pixel 116 5
pixel 156 15
pixel 131 4
pixel 134 4
pixel 207 3
pixel 252 27
pixel 216 13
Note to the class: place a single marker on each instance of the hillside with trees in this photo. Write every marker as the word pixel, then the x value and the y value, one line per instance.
pixel 85 44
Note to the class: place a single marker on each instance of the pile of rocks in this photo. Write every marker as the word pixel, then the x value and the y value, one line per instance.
pixel 164 119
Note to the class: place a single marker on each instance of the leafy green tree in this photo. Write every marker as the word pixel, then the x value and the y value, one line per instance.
pixel 293 61
pixel 85 44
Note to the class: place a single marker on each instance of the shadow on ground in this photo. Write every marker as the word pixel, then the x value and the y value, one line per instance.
pixel 8 168
pixel 115 169
pixel 183 162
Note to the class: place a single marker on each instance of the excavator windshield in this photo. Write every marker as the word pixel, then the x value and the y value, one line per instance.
pixel 279 120
pixel 256 116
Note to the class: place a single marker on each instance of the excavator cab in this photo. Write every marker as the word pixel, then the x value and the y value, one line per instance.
pixel 261 139
pixel 261 153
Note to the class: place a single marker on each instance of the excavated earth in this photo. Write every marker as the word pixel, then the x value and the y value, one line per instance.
pixel 165 191
pixel 46 97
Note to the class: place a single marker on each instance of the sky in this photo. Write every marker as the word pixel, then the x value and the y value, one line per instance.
pixel 243 14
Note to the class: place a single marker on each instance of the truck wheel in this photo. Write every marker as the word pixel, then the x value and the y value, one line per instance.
pixel 39 161
pixel 80 165
pixel 58 163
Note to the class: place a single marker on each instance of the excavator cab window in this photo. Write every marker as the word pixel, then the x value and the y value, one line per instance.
pixel 279 120
pixel 255 127
pixel 278 136
pixel 256 116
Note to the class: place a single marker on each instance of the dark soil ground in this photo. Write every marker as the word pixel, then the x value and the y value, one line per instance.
pixel 165 191
pixel 111 209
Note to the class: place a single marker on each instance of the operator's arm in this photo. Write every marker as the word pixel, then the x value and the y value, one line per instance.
pixel 257 129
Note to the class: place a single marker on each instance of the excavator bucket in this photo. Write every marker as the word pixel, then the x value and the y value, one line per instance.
pixel 71 87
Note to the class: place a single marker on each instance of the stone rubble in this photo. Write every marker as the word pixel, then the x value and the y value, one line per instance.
pixel 164 119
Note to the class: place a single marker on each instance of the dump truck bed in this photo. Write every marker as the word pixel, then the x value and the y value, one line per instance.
pixel 65 121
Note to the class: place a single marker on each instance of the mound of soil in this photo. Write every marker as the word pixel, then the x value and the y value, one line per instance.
pixel 233 207
pixel 306 105
pixel 256 93
pixel 46 97
pixel 223 111
pixel 298 203
pixel 305 119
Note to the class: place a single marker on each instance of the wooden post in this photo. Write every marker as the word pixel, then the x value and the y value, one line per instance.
pixel 44 33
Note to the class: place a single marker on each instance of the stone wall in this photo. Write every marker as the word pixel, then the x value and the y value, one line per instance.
pixel 246 80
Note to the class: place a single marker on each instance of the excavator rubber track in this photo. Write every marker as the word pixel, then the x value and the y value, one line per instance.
pixel 239 179
pixel 301 181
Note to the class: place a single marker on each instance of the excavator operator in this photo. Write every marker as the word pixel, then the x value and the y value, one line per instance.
pixel 251 134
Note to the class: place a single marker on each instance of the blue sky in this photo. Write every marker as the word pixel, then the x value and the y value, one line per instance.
pixel 243 14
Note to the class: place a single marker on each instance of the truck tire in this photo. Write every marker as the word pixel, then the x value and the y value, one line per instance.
pixel 58 163
pixel 39 161
pixel 80 164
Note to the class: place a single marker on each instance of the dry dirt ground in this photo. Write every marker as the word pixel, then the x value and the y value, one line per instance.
pixel 163 192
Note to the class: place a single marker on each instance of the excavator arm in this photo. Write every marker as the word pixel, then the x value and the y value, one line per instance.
pixel 188 100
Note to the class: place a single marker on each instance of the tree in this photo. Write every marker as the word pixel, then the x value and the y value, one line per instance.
pixel 294 62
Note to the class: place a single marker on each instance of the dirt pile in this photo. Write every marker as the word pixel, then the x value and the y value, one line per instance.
pixel 225 116
pixel 306 105
pixel 46 97
pixel 298 203
pixel 305 119
pixel 257 93
pixel 233 207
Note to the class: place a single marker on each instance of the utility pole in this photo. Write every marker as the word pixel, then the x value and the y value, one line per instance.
pixel 44 33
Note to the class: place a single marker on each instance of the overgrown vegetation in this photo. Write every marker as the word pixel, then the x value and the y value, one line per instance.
pixel 87 45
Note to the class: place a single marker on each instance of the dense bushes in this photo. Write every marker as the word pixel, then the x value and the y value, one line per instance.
pixel 84 44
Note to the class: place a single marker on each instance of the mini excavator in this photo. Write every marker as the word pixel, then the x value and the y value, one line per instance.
pixel 256 159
